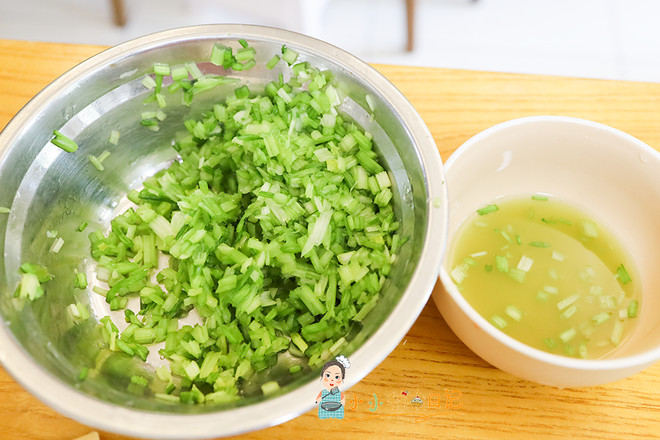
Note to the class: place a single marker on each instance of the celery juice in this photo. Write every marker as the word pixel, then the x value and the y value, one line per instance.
pixel 547 275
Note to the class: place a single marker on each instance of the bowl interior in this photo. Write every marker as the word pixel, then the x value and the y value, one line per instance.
pixel 606 173
pixel 52 190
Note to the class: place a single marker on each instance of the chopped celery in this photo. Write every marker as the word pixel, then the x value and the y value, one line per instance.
pixel 289 55
pixel 40 271
pixel 501 263
pixel 542 296
pixel 161 69
pixel 29 287
pixel 589 229
pixel 57 245
pixel 82 375
pixel 278 224
pixel 270 387
pixel 567 335
pixel 525 263
pixel 273 62
pixel 569 300
pixel 80 281
pixel 114 137
pixel 148 82
pixel 514 312
pixel 96 162
pixel 498 321
pixel 217 55
pixel 63 142
pixel 487 209
pixel 568 312
pixel 32 276
pixel 623 275
pixel 517 274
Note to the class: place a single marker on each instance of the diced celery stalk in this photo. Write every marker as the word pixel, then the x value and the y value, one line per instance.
pixel 63 142
pixel 557 256
pixel 498 321
pixel 30 288
pixel 96 162
pixel 80 281
pixel 514 312
pixel 487 209
pixel 567 335
pixel 194 70
pixel 161 69
pixel 525 263
pixel 114 137
pixel 633 306
pixel 589 229
pixel 517 274
pixel 501 263
pixel 542 296
pixel 289 55
pixel 273 62
pixel 179 73
pixel 582 350
pixel 148 82
pixel 245 54
pixel 623 275
pixel 539 244
pixel 568 312
pixel 217 55
pixel 270 387
pixel 57 245
pixel 569 300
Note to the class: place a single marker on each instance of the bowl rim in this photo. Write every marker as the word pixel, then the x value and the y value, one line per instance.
pixel 644 358
pixel 142 423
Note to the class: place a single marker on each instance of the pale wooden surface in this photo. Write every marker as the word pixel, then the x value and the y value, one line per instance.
pixel 430 361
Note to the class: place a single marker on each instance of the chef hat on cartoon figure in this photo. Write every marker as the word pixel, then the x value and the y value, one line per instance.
pixel 344 361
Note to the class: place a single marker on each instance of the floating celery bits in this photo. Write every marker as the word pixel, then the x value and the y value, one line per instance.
pixel 548 275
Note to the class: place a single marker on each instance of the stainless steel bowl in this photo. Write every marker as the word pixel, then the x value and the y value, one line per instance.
pixel 49 189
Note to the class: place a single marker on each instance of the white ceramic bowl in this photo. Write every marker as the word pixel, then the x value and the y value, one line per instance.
pixel 608 173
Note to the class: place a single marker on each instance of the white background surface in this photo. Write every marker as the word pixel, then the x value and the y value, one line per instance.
pixel 613 39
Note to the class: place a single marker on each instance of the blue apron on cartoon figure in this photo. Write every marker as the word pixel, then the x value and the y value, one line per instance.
pixel 331 406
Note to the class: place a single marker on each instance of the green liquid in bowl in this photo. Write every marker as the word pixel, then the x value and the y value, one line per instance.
pixel 548 275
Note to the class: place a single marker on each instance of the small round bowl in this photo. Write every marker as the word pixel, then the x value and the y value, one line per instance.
pixel 49 189
pixel 608 173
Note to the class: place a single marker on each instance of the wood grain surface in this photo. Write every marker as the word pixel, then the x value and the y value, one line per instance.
pixel 462 396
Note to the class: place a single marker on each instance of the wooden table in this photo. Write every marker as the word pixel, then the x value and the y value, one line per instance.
pixel 463 397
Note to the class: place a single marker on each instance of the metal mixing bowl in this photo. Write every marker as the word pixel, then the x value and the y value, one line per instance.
pixel 49 189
